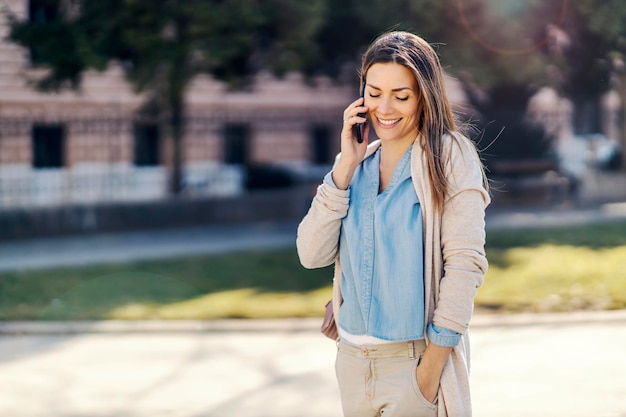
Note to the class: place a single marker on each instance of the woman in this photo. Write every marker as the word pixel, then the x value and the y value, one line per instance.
pixel 402 219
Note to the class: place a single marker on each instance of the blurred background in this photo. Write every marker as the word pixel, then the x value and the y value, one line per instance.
pixel 109 106
pixel 157 155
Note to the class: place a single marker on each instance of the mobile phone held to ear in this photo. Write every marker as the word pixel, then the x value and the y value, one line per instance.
pixel 360 127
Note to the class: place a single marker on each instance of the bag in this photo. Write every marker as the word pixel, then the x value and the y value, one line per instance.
pixel 329 326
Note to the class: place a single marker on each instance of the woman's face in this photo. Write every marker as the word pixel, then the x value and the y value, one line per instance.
pixel 392 99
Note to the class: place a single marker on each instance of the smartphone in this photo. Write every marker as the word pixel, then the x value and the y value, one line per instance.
pixel 360 127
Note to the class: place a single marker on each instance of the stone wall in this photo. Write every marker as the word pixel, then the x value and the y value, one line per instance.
pixel 278 205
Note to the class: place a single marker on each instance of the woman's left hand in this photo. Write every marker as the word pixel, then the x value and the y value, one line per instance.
pixel 428 382
pixel 430 368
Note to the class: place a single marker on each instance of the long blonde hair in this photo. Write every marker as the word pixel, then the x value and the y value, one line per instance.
pixel 436 118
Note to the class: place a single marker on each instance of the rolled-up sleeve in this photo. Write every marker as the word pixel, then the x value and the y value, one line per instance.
pixel 441 336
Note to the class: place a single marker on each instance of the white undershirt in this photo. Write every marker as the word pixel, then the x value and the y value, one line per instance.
pixel 361 339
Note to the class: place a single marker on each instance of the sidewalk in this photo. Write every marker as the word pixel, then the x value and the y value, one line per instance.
pixel 169 243
pixel 142 245
pixel 552 365
pixel 243 326
pixel 499 218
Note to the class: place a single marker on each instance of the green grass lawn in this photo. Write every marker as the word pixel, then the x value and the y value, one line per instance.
pixel 259 284
pixel 560 269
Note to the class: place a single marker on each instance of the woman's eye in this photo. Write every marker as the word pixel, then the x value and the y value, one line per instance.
pixel 403 98
pixel 374 95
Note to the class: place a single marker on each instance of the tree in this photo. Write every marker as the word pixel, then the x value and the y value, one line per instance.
pixel 349 29
pixel 164 44
pixel 584 39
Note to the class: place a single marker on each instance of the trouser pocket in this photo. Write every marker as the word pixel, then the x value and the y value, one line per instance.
pixel 416 388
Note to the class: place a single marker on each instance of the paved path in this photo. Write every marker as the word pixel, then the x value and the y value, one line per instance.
pixel 569 365
pixel 142 245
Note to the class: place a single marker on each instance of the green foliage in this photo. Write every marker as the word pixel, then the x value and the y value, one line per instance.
pixel 152 39
pixel 497 41
pixel 176 37
pixel 349 29
pixel 46 41
pixel 286 40
pixel 605 18
pixel 233 38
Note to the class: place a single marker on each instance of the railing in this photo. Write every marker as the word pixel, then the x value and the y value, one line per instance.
pixel 98 165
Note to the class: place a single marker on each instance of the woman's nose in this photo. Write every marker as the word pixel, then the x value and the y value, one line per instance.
pixel 385 106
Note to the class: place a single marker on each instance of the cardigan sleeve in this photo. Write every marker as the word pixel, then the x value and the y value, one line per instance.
pixel 317 238
pixel 462 237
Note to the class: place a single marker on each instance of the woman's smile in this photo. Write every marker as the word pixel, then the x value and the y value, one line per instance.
pixel 388 123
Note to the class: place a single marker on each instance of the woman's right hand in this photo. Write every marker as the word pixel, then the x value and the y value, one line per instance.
pixel 352 152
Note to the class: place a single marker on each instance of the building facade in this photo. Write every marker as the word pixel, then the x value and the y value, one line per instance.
pixel 91 146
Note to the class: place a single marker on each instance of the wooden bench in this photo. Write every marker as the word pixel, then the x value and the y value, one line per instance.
pixel 528 181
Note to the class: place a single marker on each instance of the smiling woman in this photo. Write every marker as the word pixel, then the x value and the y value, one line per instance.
pixel 402 219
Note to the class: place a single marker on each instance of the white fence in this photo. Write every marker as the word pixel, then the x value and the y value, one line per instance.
pixel 24 186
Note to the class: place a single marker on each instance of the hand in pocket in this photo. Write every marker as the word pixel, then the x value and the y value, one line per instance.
pixel 428 384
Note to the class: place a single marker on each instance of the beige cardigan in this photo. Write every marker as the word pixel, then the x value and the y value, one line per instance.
pixel 454 256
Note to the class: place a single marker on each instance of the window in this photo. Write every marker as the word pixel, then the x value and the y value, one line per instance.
pixel 236 137
pixel 48 146
pixel 146 148
pixel 41 11
pixel 320 145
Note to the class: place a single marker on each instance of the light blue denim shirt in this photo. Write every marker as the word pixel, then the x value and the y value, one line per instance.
pixel 381 251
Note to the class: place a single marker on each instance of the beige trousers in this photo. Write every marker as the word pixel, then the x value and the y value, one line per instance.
pixel 380 380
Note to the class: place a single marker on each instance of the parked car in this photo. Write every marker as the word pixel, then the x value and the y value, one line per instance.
pixel 604 153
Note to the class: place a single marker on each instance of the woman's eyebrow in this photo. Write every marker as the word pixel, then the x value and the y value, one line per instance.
pixel 395 90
